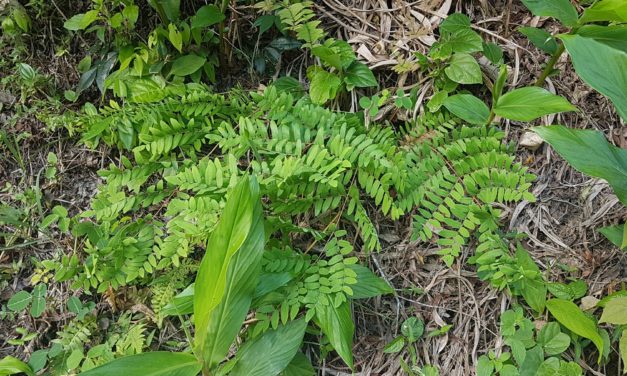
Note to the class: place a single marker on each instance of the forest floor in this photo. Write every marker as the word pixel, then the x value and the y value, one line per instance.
pixel 561 225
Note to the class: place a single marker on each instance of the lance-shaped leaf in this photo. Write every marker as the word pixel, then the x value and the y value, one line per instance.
pixel 600 66
pixel 224 242
pixel 242 279
pixel 158 363
pixel 270 353
pixel 589 152
pixel 529 103
pixel 12 366
pixel 337 324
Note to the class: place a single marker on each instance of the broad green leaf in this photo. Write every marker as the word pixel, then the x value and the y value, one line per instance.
pixel 368 285
pixel 299 366
pixel 454 22
pixel 534 292
pixel 493 52
pixel 606 10
pixel 81 21
pixel 359 75
pixel 589 152
pixel 39 300
pixel 225 241
pixel 468 107
pixel 614 36
pixel 569 315
pixel 464 69
pixel 529 103
pixel 532 286
pixel 571 291
pixel 242 279
pixel 563 10
pixel 484 366
pixel 158 363
pixel 272 352
pixel 187 64
pixel 552 339
pixel 533 359
pixel 437 100
pixel 21 18
pixel 601 67
pixel 12 366
pixel 463 41
pixel 540 38
pixel 558 367
pixel 175 37
pixel 207 15
pixel 38 360
pixel 412 329
pixel 615 311
pixel 181 304
pixel 616 234
pixel 395 346
pixel 337 324
pixel 75 358
pixel 169 10
pixel 323 85
pixel 290 85
pixel 327 56
pixel 19 301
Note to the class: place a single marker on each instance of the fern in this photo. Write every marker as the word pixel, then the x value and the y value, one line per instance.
pixel 155 209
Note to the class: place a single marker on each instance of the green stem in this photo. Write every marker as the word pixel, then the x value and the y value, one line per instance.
pixel 491 117
pixel 549 66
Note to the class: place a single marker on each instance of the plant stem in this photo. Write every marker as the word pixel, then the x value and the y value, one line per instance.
pixel 491 117
pixel 549 66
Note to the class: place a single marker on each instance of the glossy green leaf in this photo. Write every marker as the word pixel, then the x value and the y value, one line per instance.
pixel 290 85
pixel 533 359
pixel 614 36
pixel 368 285
pixel 337 324
pixel 569 315
pixel 181 304
pixel 81 21
pixel 563 10
pixel 19 301
pixel 540 38
pixel 272 352
pixel 207 15
pixel 463 41
pixel 589 152
pixel 615 311
pixel 359 75
pixel 38 360
pixel 412 329
pixel 21 18
pixel 187 64
pixel 606 10
pixel 601 67
pixel 493 52
pixel 12 366
pixel 225 241
pixel 468 107
pixel 454 22
pixel 464 69
pixel 484 366
pixel 299 366
pixel 242 279
pixel 323 85
pixel 158 363
pixel 395 346
pixel 39 300
pixel 529 103
pixel 616 234
pixel 169 10
pixel 552 340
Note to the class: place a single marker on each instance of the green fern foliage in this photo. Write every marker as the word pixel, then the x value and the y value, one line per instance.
pixel 185 151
